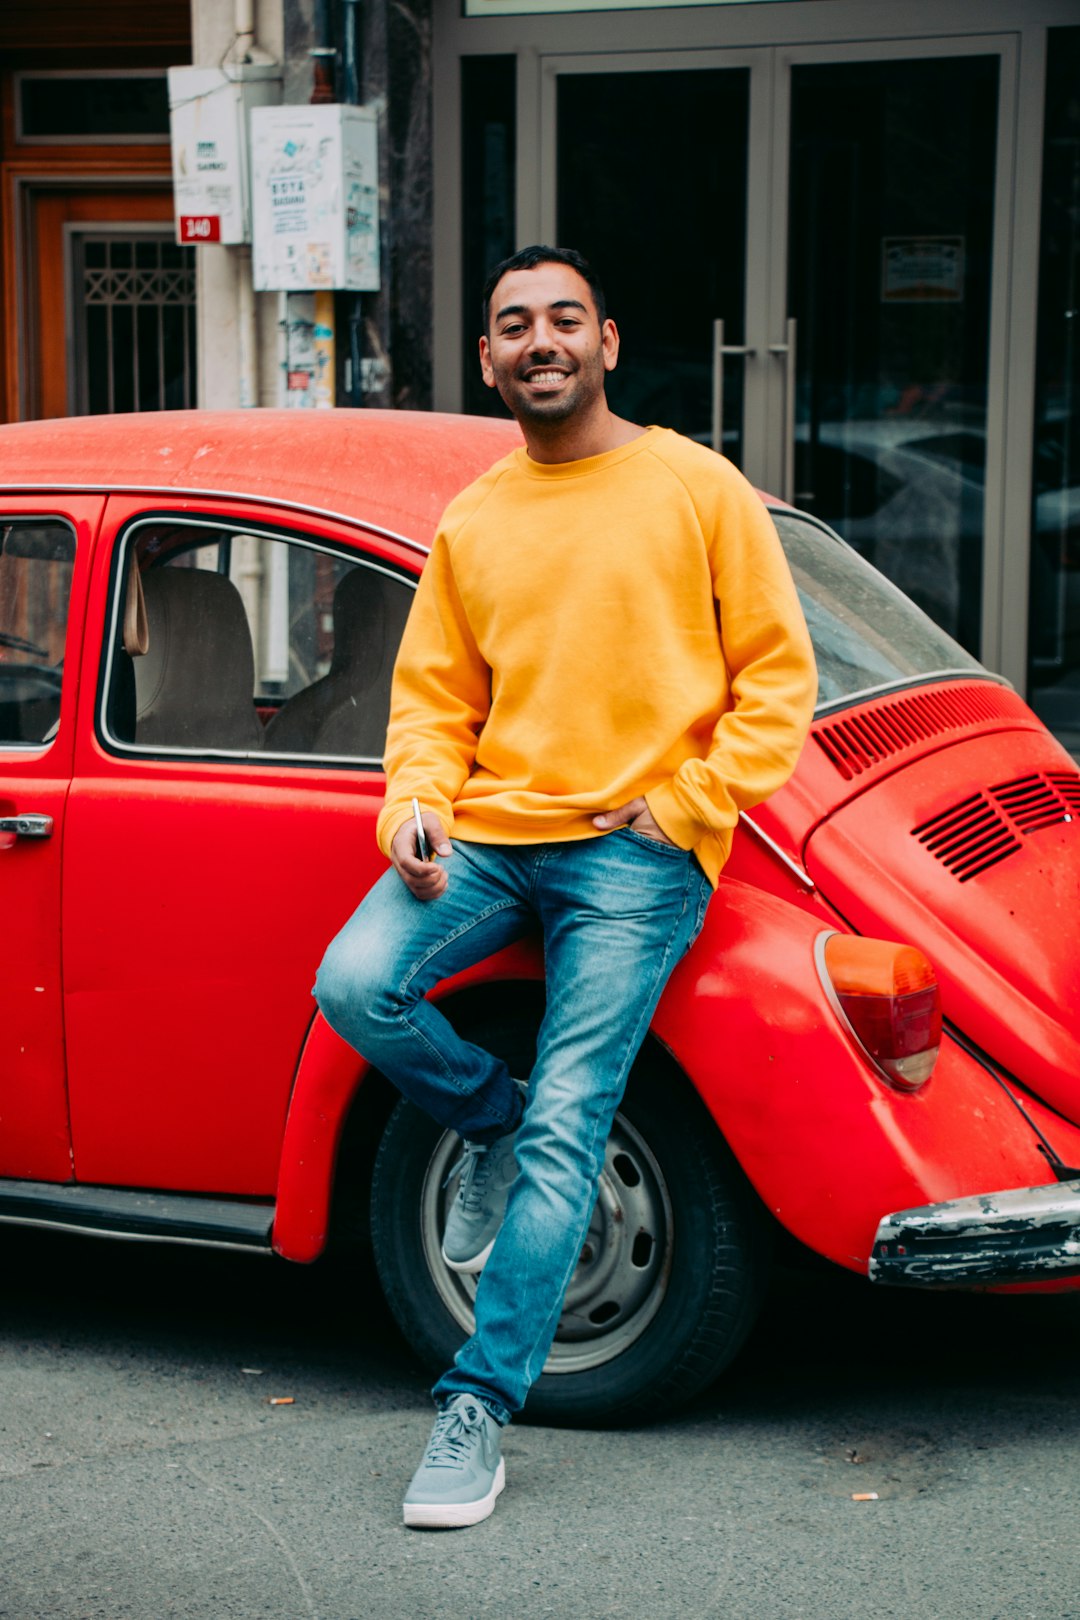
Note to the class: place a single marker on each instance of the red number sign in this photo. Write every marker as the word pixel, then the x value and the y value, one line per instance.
pixel 199 228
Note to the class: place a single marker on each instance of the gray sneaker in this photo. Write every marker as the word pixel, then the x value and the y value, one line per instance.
pixel 487 1174
pixel 462 1472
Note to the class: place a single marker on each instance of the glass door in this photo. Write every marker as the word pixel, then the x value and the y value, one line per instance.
pixel 651 169
pixel 798 247
pixel 1054 605
pixel 891 213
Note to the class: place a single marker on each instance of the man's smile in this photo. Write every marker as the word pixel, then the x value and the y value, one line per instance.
pixel 545 377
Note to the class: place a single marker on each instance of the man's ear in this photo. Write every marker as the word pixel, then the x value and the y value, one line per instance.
pixel 487 371
pixel 609 340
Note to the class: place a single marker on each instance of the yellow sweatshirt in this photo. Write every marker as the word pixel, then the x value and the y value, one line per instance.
pixel 591 631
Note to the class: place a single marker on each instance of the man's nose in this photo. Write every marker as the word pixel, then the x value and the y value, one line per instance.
pixel 544 336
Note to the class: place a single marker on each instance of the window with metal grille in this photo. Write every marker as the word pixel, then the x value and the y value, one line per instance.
pixel 132 321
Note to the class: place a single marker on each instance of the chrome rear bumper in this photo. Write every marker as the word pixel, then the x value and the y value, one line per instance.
pixel 1023 1235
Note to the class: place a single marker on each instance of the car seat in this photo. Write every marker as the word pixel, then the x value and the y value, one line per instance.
pixel 345 712
pixel 195 684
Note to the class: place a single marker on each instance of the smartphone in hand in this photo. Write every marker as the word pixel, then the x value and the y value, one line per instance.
pixel 422 851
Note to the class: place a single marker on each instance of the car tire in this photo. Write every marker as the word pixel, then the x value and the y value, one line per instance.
pixel 671 1276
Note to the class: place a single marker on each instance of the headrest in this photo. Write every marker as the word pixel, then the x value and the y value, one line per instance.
pixel 195 685
pixel 359 620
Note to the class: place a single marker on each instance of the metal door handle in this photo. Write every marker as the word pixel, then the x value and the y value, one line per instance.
pixel 719 349
pixel 29 826
pixel 787 351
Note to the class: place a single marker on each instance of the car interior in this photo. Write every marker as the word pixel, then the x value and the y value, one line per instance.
pixel 257 647
pixel 36 562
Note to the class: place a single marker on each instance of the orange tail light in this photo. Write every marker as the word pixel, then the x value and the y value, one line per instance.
pixel 888 995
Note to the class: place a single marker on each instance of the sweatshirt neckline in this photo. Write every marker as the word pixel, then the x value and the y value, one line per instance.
pixel 554 470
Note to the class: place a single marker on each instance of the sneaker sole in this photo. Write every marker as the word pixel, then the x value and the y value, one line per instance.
pixel 475 1262
pixel 455 1515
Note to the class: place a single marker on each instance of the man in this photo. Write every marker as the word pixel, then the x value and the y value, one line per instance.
pixel 604 663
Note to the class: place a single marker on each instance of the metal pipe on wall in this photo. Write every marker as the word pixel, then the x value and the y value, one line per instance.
pixel 244 50
pixel 350 70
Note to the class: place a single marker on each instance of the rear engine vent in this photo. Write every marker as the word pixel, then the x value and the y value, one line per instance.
pixel 1067 784
pixel 859 741
pixel 969 837
pixel 985 828
pixel 1040 801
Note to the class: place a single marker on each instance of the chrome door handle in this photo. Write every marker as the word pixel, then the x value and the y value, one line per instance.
pixel 719 349
pixel 29 826
pixel 787 351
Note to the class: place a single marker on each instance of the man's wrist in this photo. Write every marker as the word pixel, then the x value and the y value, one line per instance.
pixel 672 821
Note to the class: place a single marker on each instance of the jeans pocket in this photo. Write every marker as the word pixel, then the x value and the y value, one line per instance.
pixel 670 850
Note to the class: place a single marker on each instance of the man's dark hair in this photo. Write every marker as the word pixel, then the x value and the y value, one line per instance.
pixel 529 258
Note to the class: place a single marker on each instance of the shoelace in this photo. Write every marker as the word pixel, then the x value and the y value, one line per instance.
pixel 474 1168
pixel 449 1443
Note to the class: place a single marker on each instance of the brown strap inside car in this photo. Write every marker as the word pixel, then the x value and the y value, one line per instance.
pixel 136 630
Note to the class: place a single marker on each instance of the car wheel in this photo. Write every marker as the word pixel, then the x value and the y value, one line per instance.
pixel 670 1277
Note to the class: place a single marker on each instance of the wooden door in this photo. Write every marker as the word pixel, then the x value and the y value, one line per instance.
pixel 57 352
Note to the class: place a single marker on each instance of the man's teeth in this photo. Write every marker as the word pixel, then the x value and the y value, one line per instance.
pixel 546 377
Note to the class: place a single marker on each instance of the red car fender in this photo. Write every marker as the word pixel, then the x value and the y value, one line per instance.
pixel 327 1078
pixel 829 1146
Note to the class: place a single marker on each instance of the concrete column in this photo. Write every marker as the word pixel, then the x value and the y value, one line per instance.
pixel 218 270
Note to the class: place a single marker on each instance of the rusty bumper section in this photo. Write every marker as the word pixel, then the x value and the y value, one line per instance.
pixel 1016 1236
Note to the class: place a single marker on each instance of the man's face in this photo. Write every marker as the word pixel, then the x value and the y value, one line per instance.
pixel 545 350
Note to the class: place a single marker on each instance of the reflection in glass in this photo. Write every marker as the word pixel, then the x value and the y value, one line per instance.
pixel 892 167
pixel 866 634
pixel 1054 635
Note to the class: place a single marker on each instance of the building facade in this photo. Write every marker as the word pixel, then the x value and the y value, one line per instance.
pixel 841 239
pixel 842 242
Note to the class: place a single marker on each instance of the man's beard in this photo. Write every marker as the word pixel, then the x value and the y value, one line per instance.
pixel 585 384
pixel 559 409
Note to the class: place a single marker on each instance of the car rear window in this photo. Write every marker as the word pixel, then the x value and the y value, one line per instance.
pixel 867 634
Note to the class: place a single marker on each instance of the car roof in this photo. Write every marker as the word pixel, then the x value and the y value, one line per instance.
pixel 392 469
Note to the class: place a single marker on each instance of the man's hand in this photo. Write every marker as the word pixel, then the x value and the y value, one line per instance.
pixel 425 879
pixel 635 815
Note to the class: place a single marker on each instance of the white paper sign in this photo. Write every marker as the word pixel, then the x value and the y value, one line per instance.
pixel 922 270
pixel 315 199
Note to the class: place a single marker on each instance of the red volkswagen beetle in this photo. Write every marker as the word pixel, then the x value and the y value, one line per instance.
pixel 874 1046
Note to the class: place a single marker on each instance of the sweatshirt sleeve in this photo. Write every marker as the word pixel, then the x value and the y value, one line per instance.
pixel 771 671
pixel 439 700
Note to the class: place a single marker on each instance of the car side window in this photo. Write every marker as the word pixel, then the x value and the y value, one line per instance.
pixel 36 562
pixel 236 642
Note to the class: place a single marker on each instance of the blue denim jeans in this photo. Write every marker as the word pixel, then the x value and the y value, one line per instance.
pixel 616 913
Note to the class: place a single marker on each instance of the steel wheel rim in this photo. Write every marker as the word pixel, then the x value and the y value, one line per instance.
pixel 622 1277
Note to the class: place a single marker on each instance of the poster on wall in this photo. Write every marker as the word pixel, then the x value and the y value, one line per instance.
pixel 922 270
pixel 314 198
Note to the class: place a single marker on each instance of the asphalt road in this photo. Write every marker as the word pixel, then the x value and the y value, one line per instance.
pixel 143 1472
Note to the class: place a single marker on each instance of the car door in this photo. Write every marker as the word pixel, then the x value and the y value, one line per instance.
pixel 45 553
pixel 220 829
